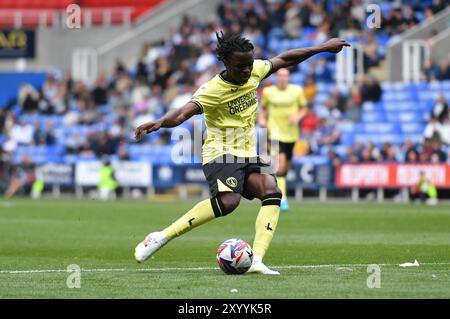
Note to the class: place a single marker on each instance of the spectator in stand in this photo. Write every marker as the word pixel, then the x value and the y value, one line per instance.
pixel 444 71
pixel 50 88
pixel 122 151
pixel 59 102
pixel 44 136
pixel 353 106
pixel 74 143
pixel 445 131
pixel 21 133
pixel 292 22
pixel 310 89
pixel 162 73
pixel 206 59
pixel 394 22
pixel 3 115
pixel 322 33
pixel 100 92
pixel 44 107
pixel 408 146
pixel 139 94
pixel 438 5
pixel 412 156
pixel 87 112
pixel 367 156
pixel 426 150
pixel 339 100
pixel 433 128
pixel 351 156
pixel 431 70
pixel 440 109
pixel 308 123
pixel 334 158
pixel 437 155
pixel 326 134
pixel 370 89
pixel 370 49
pixel 321 71
pixel 104 144
pixel 330 110
pixel 28 98
pixel 409 18
pixel 387 153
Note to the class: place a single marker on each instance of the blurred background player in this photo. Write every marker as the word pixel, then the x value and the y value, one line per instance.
pixel 231 165
pixel 283 106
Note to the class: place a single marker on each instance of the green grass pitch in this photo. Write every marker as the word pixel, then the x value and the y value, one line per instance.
pixel 321 249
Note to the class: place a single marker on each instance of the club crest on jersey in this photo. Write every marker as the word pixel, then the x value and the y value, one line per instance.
pixel 232 182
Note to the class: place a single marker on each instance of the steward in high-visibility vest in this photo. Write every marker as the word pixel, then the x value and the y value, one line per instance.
pixel 107 183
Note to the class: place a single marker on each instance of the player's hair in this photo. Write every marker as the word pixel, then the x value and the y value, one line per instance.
pixel 231 42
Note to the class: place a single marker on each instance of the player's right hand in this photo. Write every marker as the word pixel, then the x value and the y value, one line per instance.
pixel 146 128
pixel 262 123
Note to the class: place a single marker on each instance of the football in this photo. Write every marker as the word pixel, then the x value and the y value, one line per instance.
pixel 234 256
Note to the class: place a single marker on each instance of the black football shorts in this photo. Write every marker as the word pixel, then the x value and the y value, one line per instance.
pixel 228 173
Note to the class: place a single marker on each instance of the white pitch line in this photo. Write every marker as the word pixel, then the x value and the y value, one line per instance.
pixel 33 271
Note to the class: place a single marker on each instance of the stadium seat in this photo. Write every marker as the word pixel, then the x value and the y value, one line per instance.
pixel 412 128
pixel 406 116
pixel 373 117
pixel 312 159
pixel 381 128
pixel 347 138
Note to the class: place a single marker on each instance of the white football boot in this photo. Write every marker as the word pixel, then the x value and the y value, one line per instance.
pixel 150 245
pixel 259 268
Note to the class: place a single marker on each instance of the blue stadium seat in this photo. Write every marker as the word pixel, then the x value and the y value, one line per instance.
pixel 381 128
pixel 373 117
pixel 347 138
pixel 398 106
pixel 347 127
pixel 415 138
pixel 406 116
pixel 379 139
pixel 445 85
pixel 341 150
pixel 312 159
pixel 428 95
pixel 372 106
pixel 412 128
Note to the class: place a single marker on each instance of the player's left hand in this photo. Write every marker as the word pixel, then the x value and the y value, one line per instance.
pixel 335 45
pixel 293 119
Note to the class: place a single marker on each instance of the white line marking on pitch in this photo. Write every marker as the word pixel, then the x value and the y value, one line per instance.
pixel 33 271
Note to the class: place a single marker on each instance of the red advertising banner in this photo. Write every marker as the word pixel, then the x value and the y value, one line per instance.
pixel 390 175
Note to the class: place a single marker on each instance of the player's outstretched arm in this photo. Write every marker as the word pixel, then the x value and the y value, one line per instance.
pixel 170 119
pixel 296 56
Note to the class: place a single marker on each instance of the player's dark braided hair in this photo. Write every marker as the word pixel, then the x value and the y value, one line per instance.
pixel 231 42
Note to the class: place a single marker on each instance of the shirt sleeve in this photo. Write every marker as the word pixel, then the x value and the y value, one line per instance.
pixel 201 98
pixel 262 68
